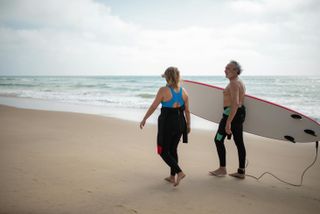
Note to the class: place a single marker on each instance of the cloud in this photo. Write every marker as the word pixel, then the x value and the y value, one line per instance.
pixel 271 7
pixel 68 37
pixel 83 37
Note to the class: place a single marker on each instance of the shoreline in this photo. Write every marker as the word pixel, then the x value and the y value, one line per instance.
pixel 128 114
pixel 62 162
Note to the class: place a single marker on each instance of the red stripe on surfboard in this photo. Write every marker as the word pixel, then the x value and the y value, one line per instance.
pixel 204 84
pixel 256 98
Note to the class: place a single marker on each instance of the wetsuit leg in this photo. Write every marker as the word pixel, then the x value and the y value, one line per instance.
pixel 173 151
pixel 238 139
pixel 237 131
pixel 167 155
pixel 219 141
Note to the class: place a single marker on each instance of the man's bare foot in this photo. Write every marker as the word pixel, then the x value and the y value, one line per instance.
pixel 220 172
pixel 241 174
pixel 180 176
pixel 170 179
pixel 238 175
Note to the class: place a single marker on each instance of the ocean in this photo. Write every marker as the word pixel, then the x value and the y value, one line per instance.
pixel 128 97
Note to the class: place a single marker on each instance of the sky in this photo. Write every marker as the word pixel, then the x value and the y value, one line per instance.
pixel 144 37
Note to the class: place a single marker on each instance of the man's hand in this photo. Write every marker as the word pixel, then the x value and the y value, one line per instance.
pixel 228 128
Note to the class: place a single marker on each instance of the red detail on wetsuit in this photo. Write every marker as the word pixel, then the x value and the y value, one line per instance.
pixel 159 149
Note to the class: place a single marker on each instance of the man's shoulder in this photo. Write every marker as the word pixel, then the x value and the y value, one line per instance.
pixel 237 82
pixel 235 85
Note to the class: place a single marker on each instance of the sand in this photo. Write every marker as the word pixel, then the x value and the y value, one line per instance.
pixel 58 162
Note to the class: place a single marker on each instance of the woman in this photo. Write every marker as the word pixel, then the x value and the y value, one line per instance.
pixel 173 122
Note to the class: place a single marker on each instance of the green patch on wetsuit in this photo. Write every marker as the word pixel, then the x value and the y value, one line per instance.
pixel 219 137
pixel 227 111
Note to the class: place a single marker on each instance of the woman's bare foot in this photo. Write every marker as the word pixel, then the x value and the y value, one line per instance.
pixel 170 179
pixel 221 171
pixel 180 176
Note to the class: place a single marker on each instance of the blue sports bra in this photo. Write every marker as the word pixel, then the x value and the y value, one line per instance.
pixel 176 98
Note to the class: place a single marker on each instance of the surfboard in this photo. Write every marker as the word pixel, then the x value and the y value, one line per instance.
pixel 263 118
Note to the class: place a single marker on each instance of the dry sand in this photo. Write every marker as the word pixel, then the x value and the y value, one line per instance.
pixel 56 162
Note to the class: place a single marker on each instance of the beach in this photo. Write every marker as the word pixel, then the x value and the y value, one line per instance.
pixel 62 162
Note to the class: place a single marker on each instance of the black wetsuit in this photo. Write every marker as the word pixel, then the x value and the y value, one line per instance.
pixel 171 126
pixel 237 132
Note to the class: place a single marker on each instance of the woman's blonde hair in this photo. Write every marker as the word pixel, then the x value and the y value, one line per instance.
pixel 172 76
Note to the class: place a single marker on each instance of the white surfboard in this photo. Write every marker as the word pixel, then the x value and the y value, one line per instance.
pixel 263 118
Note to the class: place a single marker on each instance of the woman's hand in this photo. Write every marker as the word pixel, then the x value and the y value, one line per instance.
pixel 142 123
pixel 188 129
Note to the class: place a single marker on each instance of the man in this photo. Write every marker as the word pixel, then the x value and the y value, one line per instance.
pixel 232 121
